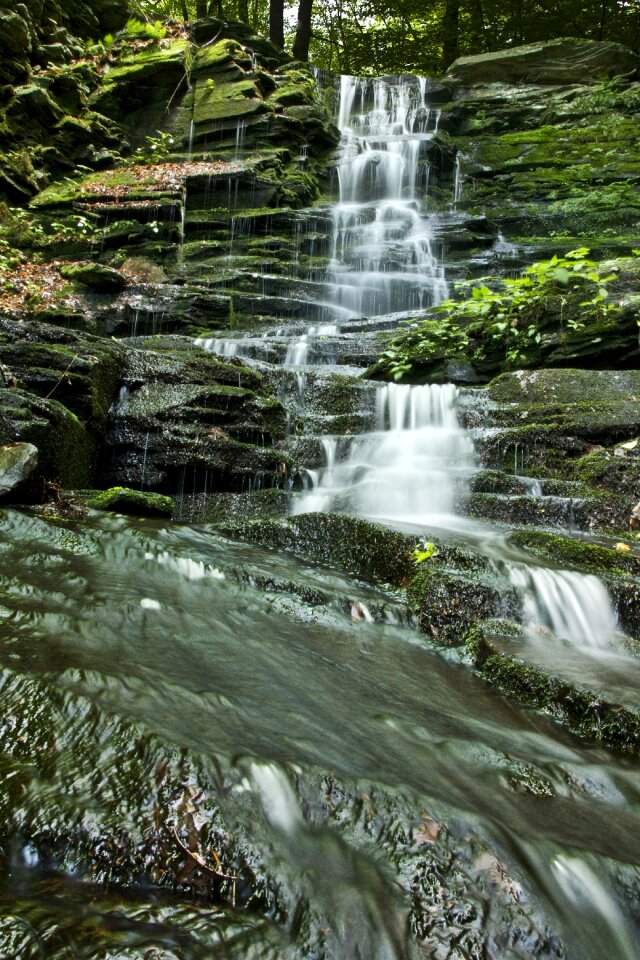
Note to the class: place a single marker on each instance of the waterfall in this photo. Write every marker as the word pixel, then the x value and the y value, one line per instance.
pixel 382 257
pixel 408 469
pixel 573 606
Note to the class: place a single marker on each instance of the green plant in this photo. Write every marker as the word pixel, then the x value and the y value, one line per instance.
pixel 145 31
pixel 507 315
pixel 73 228
pixel 155 149
pixel 9 257
pixel 20 228
pixel 427 340
pixel 604 97
pixel 424 551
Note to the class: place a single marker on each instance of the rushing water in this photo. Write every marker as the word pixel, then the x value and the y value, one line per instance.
pixel 340 743
pixel 407 469
pixel 221 653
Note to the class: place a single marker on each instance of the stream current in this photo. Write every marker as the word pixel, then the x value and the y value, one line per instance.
pixel 255 663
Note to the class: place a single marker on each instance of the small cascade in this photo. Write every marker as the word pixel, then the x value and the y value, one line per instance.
pixel 504 250
pixel 241 129
pixel 382 257
pixel 573 606
pixel 457 182
pixel 408 468
pixel 220 345
pixel 531 486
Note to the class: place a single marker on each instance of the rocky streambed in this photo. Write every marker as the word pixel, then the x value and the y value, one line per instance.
pixel 373 690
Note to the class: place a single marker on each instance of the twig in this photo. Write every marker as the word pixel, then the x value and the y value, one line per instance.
pixel 62 376
pixel 197 859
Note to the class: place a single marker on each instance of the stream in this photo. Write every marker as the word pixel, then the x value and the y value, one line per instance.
pixel 395 805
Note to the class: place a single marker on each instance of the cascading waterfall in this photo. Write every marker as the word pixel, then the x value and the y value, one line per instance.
pixel 413 467
pixel 382 257
pixel 573 606
pixel 408 469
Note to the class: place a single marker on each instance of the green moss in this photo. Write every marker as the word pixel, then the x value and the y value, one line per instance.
pixel 579 708
pixel 66 450
pixel 124 500
pixel 56 195
pixel 577 554
pixel 219 55
pixel 364 549
pixel 449 602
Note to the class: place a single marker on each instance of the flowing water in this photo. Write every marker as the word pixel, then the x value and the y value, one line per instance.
pixel 339 743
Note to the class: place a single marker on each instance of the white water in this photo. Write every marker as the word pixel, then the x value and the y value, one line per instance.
pixel 405 470
pixel 417 461
pixel 571 605
pixel 383 256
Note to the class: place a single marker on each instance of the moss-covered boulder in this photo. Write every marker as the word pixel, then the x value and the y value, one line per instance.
pixel 562 61
pixel 67 453
pixel 136 502
pixel 187 421
pixel 94 275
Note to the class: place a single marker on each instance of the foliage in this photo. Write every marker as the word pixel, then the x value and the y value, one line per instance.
pixel 155 149
pixel 607 96
pixel 73 228
pixel 393 36
pixel 9 256
pixel 145 31
pixel 428 340
pixel 424 551
pixel 508 316
pixel 19 228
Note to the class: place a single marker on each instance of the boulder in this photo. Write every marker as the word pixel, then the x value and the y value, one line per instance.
pixel 94 275
pixel 18 462
pixel 15 39
pixel 565 60
pixel 134 502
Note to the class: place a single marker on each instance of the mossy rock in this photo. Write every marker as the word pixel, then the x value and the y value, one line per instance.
pixel 18 461
pixel 95 276
pixel 577 554
pixel 66 451
pixel 591 403
pixel 559 61
pixel 135 502
pixel 449 603
pixel 580 708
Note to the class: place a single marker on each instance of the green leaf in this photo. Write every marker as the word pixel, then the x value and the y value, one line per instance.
pixel 561 276
pixel 424 551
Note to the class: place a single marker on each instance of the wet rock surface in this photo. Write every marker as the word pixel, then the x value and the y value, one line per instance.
pixel 181 351
pixel 17 463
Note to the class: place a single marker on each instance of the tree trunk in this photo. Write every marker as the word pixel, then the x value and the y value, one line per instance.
pixel 603 17
pixel 243 10
pixel 201 9
pixel 184 10
pixel 477 26
pixel 303 31
pixel 450 32
pixel 276 22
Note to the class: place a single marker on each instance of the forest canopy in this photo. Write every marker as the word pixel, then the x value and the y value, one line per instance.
pixel 394 36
